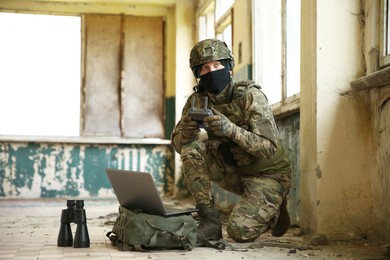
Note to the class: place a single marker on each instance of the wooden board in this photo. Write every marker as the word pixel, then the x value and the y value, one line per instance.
pixel 142 85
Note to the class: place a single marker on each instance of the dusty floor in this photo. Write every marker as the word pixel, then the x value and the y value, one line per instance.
pixel 29 230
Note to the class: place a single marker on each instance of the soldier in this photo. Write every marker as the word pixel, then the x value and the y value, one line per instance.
pixel 242 151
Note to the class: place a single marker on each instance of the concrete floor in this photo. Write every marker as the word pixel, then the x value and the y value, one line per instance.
pixel 29 230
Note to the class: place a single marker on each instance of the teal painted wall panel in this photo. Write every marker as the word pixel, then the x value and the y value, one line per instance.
pixel 45 170
pixel 96 159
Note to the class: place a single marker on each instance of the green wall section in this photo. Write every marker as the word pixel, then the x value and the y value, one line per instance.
pixel 244 73
pixel 170 121
pixel 44 170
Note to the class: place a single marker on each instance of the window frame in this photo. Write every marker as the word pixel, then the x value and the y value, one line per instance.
pixel 287 105
pixel 207 13
pixel 206 20
pixel 385 34
pixel 79 132
pixel 222 24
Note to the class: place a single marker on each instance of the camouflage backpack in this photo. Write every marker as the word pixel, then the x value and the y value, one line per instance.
pixel 135 231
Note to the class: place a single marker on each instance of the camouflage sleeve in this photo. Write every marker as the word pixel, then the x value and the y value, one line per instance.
pixel 260 137
pixel 177 139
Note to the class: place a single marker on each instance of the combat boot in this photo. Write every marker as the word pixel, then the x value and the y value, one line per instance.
pixel 283 223
pixel 210 227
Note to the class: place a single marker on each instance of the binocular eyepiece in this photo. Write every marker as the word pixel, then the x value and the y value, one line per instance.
pixel 74 213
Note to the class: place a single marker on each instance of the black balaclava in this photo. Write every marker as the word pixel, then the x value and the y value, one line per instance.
pixel 215 82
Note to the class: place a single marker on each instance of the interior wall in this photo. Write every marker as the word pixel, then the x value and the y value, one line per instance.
pixel 379 96
pixel 184 80
pixel 380 112
pixel 308 113
pixel 242 39
pixel 289 129
pixel 337 193
pixel 343 126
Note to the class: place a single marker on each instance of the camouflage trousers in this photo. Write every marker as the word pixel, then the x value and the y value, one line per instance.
pixel 261 194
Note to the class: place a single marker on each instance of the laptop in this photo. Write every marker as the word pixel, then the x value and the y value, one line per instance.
pixel 137 190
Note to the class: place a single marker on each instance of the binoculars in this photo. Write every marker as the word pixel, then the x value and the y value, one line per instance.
pixel 74 213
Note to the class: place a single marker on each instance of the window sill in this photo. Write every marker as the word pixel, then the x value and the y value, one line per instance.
pixel 290 106
pixel 83 140
pixel 377 79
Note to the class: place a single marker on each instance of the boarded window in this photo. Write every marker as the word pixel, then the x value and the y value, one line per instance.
pixel 123 89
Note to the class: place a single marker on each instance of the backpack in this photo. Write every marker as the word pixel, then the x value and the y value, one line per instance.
pixel 137 231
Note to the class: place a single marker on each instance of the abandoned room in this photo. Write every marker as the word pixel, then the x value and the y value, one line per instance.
pixel 87 85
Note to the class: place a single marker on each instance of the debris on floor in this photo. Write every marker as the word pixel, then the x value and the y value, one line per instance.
pixel 30 228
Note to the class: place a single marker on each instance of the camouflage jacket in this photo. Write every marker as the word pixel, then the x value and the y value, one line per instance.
pixel 256 147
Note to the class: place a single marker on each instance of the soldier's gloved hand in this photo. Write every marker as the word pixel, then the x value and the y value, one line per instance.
pixel 189 129
pixel 220 125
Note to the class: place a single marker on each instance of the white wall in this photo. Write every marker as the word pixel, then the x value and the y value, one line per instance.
pixel 344 188
pixel 336 129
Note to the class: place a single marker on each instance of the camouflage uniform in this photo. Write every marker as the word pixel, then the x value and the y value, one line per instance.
pixel 250 161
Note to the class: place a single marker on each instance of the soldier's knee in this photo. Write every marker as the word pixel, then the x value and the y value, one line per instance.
pixel 242 228
pixel 241 233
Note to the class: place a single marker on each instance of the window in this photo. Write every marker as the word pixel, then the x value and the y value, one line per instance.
pixel 385 35
pixel 276 54
pixel 221 7
pixel 224 21
pixel 122 71
pixel 293 44
pixel 123 87
pixel 40 74
pixel 206 22
pixel 226 36
pixel 215 21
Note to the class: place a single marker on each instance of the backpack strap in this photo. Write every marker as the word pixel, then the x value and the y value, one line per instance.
pixel 176 236
pixel 115 241
pixel 113 238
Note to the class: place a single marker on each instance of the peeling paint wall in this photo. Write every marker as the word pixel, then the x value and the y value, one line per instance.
pixel 380 103
pixel 383 213
pixel 42 170
pixel 289 131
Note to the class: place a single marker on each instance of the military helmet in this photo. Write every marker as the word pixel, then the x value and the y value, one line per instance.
pixel 209 50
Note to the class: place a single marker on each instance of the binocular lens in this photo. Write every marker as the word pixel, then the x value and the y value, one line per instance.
pixel 79 204
pixel 75 213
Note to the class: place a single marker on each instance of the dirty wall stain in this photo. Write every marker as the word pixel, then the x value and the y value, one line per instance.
pixel 71 170
pixel 96 160
pixel 160 164
pixel 17 168
pixel 66 177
